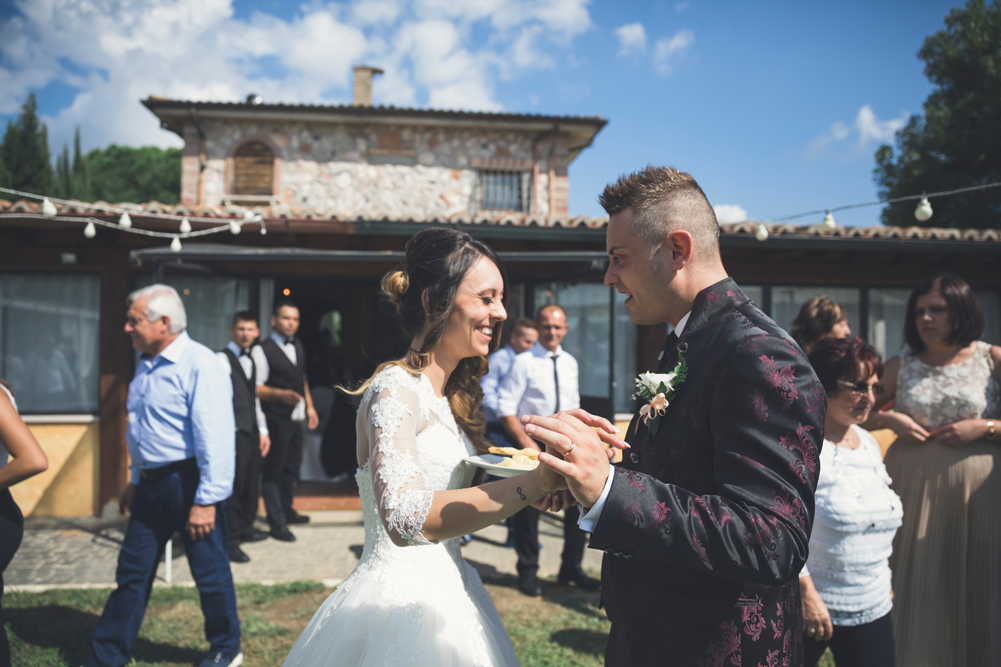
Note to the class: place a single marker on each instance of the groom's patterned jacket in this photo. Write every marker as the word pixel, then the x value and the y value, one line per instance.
pixel 707 523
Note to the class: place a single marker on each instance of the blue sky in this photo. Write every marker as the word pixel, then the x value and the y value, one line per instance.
pixel 774 107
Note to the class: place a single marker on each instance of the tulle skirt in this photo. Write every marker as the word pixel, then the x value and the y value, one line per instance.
pixel 428 609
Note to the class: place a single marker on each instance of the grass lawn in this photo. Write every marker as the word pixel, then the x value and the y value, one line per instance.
pixel 563 628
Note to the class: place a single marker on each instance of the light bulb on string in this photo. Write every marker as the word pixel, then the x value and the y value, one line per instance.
pixel 175 245
pixel 49 209
pixel 234 227
pixel 761 233
pixel 923 212
pixel 125 222
pixel 185 227
pixel 90 231
pixel 828 225
pixel 264 229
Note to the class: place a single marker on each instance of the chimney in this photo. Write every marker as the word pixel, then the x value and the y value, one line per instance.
pixel 363 84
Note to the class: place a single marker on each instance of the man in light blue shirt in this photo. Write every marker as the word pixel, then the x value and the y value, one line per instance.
pixel 181 438
pixel 523 337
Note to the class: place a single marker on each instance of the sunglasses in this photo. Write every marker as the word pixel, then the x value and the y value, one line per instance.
pixel 862 388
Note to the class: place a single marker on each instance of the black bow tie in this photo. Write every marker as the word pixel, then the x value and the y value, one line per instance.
pixel 289 340
pixel 245 353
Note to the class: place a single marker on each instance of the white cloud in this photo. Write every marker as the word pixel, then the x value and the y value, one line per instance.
pixel 860 135
pixel 441 53
pixel 632 38
pixel 726 213
pixel 668 51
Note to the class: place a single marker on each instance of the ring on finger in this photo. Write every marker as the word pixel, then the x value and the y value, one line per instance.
pixel 573 446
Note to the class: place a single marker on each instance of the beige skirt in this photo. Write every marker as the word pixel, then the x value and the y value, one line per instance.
pixel 946 558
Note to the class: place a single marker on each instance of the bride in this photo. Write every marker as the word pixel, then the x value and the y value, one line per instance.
pixel 412 599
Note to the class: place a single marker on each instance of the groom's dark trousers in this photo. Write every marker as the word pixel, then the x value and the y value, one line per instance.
pixel 708 520
pixel 159 508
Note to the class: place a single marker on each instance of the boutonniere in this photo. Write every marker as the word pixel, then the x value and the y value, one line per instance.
pixel 658 389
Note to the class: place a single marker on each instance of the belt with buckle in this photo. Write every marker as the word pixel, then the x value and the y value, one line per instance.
pixel 163 471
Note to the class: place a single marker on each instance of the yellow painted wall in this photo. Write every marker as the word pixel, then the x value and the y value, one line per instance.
pixel 69 486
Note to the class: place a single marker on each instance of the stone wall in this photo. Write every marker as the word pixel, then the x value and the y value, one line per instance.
pixel 381 170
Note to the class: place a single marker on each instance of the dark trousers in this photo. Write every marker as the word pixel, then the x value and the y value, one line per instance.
pixel 11 532
pixel 526 541
pixel 281 469
pixel 242 505
pixel 160 508
pixel 868 645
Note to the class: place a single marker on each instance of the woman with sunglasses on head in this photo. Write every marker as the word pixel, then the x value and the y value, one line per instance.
pixel 845 587
pixel 946 467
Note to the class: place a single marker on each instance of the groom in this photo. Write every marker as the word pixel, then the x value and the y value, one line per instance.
pixel 705 523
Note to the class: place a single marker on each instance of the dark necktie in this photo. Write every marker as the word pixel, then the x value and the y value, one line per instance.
pixel 556 380
pixel 665 356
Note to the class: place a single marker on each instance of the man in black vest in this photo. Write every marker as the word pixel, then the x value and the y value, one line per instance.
pixel 252 439
pixel 284 392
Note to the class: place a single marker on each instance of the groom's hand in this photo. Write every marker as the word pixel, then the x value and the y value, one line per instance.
pixel 579 454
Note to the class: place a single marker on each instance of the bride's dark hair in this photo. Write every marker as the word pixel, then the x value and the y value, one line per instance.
pixel 424 293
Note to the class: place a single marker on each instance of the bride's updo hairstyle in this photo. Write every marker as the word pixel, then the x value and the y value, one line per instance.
pixel 424 293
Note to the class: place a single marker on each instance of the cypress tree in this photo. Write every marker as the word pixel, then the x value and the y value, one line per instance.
pixel 81 174
pixel 63 187
pixel 25 151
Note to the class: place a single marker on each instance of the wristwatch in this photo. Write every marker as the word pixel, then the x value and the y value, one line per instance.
pixel 991 433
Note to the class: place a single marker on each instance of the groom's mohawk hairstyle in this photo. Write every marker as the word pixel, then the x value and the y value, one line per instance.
pixel 664 199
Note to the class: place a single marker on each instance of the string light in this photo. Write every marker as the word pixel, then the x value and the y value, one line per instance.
pixel 90 231
pixel 125 222
pixel 49 209
pixel 185 227
pixel 828 225
pixel 234 227
pixel 761 233
pixel 923 212
pixel 175 245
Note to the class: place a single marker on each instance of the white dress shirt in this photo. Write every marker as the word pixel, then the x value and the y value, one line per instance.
pixel 500 365
pixel 264 370
pixel 247 366
pixel 530 387
pixel 587 521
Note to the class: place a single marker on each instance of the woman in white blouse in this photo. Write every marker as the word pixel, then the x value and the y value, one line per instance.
pixel 846 585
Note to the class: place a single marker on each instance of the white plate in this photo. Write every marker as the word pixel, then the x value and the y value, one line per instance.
pixel 489 463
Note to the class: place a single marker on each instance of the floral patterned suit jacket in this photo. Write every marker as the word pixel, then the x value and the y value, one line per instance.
pixel 708 522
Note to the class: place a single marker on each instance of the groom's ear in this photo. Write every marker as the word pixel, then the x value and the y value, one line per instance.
pixel 679 247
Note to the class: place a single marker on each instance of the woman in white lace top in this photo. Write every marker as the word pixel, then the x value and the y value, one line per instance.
pixel 412 599
pixel 846 585
pixel 946 468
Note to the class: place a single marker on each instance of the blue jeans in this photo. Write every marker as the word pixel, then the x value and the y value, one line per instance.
pixel 159 508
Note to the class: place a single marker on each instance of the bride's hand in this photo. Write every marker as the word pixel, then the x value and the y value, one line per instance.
pixel 550 481
pixel 554 502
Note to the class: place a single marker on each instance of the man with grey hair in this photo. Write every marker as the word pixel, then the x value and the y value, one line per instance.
pixel 181 441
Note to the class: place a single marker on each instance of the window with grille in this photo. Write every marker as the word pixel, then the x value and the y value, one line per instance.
pixel 505 190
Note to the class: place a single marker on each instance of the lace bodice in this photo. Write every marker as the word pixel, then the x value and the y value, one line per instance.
pixel 415 448
pixel 935 396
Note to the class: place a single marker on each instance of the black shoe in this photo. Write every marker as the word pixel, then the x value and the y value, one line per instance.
pixel 529 586
pixel 282 534
pixel 236 555
pixel 256 535
pixel 294 519
pixel 221 659
pixel 578 578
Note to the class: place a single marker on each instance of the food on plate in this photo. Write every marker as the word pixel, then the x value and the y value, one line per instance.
pixel 513 451
pixel 520 461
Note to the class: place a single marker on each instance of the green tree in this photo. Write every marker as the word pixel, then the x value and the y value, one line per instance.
pixel 25 151
pixel 957 142
pixel 81 173
pixel 63 185
pixel 124 174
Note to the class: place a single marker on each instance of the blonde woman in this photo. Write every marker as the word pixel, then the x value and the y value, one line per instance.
pixel 819 318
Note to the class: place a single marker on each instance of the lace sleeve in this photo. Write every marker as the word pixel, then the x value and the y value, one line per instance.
pixel 394 417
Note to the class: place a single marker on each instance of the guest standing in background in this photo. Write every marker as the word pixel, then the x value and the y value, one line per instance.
pixel 543 381
pixel 523 336
pixel 819 318
pixel 845 587
pixel 945 467
pixel 252 440
pixel 181 442
pixel 28 460
pixel 287 403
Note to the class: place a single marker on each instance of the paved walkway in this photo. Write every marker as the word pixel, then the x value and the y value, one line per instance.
pixel 83 552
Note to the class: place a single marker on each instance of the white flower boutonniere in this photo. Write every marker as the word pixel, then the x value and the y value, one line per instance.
pixel 657 389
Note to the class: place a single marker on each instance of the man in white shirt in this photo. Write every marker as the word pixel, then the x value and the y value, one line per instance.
pixel 252 439
pixel 523 336
pixel 543 381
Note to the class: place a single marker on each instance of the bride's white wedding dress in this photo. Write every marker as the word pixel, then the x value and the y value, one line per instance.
pixel 421 604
